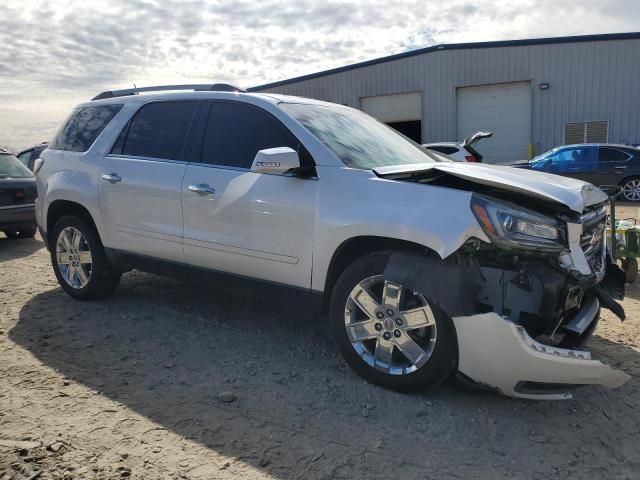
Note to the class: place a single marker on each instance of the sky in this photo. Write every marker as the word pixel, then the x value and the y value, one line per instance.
pixel 55 54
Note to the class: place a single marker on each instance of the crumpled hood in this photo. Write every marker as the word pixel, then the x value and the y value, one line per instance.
pixel 575 194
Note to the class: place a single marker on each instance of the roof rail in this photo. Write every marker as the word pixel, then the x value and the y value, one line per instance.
pixel 216 87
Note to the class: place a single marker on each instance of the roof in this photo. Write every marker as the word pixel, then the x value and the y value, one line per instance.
pixel 255 98
pixel 620 145
pixel 454 46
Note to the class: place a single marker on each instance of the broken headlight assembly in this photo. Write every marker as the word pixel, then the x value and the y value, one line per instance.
pixel 511 227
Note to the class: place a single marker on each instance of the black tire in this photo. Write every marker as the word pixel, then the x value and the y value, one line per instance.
pixel 443 359
pixel 627 183
pixel 103 278
pixel 27 231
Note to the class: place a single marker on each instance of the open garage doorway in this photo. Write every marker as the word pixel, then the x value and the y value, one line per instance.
pixel 411 129
pixel 402 111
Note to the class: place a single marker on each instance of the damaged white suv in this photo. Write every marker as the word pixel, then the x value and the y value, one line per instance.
pixel 428 267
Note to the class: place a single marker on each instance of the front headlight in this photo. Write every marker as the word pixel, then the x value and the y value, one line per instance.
pixel 510 226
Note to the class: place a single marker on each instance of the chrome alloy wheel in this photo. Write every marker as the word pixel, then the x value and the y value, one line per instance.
pixel 631 190
pixel 74 257
pixel 392 328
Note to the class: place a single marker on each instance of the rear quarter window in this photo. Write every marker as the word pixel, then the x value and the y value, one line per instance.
pixel 83 127
pixel 613 155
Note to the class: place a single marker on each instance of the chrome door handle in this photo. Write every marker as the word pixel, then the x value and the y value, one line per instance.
pixel 621 168
pixel 112 177
pixel 201 189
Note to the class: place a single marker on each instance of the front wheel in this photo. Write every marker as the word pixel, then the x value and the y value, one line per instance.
pixel 79 261
pixel 389 334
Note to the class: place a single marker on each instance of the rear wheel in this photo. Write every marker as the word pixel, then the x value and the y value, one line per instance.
pixel 631 189
pixel 389 334
pixel 79 262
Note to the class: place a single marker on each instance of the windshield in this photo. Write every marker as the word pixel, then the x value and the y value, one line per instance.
pixel 358 140
pixel 11 167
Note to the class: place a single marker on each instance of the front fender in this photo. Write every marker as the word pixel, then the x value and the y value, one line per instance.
pixel 438 218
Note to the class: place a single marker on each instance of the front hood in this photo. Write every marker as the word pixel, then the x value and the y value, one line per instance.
pixel 575 194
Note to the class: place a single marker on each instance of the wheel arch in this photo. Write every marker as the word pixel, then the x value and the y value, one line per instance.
pixel 357 247
pixel 629 177
pixel 59 208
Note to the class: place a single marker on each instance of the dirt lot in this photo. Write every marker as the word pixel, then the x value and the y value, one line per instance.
pixel 130 387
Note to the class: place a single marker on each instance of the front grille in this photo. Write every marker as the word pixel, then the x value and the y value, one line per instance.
pixel 592 240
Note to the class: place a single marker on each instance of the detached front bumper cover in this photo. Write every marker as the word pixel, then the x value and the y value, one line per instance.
pixel 499 353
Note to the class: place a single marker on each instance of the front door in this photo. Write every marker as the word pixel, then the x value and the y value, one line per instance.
pixel 253 224
pixel 579 161
pixel 141 181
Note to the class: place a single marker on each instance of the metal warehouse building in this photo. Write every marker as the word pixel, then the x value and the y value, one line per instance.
pixel 532 94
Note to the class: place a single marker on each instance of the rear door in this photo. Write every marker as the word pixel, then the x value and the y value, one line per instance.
pixel 614 164
pixel 141 181
pixel 253 224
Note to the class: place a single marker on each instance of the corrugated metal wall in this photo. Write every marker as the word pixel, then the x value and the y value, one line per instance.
pixel 595 80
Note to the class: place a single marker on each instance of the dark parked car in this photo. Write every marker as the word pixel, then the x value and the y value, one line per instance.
pixel 17 197
pixel 28 157
pixel 599 164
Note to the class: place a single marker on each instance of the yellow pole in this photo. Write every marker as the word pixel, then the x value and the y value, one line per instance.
pixel 530 151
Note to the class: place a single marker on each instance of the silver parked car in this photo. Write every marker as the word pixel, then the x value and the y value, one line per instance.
pixel 427 267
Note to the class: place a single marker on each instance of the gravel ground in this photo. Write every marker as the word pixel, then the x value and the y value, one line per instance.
pixel 170 380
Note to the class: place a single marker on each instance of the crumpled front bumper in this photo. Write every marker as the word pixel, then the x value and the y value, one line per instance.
pixel 496 352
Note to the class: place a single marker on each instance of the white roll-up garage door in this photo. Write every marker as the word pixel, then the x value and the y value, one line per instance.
pixel 505 110
pixel 401 107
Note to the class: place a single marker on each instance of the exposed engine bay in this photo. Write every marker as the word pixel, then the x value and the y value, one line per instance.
pixel 525 304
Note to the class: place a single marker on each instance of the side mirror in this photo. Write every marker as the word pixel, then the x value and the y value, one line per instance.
pixel 275 160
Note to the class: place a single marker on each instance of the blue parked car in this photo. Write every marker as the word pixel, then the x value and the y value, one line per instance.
pixel 599 164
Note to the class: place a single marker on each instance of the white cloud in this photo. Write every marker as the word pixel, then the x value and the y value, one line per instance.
pixel 58 53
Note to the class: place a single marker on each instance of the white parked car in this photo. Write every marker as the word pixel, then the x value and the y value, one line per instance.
pixel 427 267
pixel 463 151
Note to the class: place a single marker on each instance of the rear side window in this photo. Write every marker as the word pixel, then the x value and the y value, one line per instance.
pixel 612 155
pixel 158 130
pixel 83 127
pixel 235 132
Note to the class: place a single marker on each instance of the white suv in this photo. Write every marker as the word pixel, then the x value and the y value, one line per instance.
pixel 428 267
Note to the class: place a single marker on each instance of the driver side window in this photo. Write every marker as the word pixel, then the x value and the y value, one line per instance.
pixel 235 132
pixel 583 159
